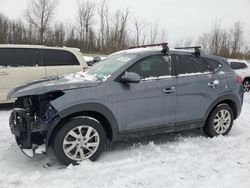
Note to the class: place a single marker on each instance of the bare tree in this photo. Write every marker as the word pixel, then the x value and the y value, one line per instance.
pixel 237 38
pixel 40 13
pixel 4 28
pixel 103 12
pixel 85 19
pixel 118 32
pixel 203 41
pixel 154 31
pixel 59 35
pixel 17 32
pixel 215 35
pixel 163 36
pixel 224 44
pixel 139 24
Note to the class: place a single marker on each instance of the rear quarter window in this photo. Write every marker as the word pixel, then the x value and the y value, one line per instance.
pixel 59 58
pixel 212 64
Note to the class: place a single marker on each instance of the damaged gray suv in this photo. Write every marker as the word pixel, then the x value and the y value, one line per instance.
pixel 132 93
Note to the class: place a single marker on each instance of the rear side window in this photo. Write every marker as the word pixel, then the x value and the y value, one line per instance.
pixel 59 57
pixel 17 57
pixel 212 64
pixel 189 64
pixel 238 65
pixel 152 67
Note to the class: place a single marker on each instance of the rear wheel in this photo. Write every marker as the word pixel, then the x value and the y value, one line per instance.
pixel 79 139
pixel 220 121
pixel 246 85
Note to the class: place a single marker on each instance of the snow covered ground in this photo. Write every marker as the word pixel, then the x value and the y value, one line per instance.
pixel 178 160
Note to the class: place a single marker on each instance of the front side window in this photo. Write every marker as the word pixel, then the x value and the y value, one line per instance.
pixel 155 66
pixel 18 57
pixel 59 58
pixel 189 64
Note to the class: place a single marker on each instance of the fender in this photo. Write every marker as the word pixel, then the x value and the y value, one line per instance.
pixel 95 107
pixel 221 98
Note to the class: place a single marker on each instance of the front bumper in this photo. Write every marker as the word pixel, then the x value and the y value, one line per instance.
pixel 20 126
pixel 29 132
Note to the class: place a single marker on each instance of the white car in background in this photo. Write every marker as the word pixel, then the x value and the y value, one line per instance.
pixel 242 68
pixel 23 63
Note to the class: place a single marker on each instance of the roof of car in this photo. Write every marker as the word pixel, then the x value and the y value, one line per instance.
pixel 149 50
pixel 37 47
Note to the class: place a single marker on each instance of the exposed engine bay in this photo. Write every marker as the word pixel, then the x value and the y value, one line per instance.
pixel 31 117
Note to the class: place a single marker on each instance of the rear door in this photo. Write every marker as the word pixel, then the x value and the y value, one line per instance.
pixel 18 66
pixel 151 102
pixel 198 86
pixel 59 62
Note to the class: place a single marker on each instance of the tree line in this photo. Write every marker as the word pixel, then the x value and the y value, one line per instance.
pixel 99 30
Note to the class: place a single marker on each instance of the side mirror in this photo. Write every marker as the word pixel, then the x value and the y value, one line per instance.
pixel 130 77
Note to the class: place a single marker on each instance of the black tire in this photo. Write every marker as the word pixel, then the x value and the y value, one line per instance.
pixel 246 85
pixel 209 128
pixel 73 124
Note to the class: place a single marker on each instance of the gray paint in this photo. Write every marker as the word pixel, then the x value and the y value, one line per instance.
pixel 137 106
pixel 47 85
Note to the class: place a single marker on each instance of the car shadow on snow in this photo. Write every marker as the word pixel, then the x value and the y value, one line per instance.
pixel 117 151
pixel 124 149
pixel 156 139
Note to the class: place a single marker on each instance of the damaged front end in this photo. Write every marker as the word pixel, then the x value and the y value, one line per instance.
pixel 30 122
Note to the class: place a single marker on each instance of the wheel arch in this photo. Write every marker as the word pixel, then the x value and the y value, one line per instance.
pixel 94 110
pixel 229 99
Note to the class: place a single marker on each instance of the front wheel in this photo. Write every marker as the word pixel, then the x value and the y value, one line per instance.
pixel 220 121
pixel 79 139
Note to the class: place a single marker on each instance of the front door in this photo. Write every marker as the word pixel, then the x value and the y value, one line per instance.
pixel 151 102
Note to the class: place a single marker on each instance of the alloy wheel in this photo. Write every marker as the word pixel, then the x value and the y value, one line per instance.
pixel 222 121
pixel 81 142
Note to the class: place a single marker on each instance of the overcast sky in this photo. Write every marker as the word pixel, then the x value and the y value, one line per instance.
pixel 180 18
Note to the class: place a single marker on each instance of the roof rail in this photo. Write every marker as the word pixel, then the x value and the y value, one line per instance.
pixel 165 47
pixel 197 49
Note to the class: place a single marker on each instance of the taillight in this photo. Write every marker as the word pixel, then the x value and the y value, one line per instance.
pixel 239 79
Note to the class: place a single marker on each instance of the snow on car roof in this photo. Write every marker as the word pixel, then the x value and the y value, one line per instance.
pixel 150 49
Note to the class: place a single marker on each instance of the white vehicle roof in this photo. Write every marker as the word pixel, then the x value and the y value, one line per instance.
pixel 38 47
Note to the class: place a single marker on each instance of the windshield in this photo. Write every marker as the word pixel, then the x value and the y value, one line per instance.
pixel 105 68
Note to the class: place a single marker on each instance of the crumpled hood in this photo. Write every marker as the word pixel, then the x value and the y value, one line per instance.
pixel 59 83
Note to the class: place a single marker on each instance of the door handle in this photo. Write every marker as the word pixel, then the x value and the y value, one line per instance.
pixel 168 90
pixel 3 73
pixel 214 83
